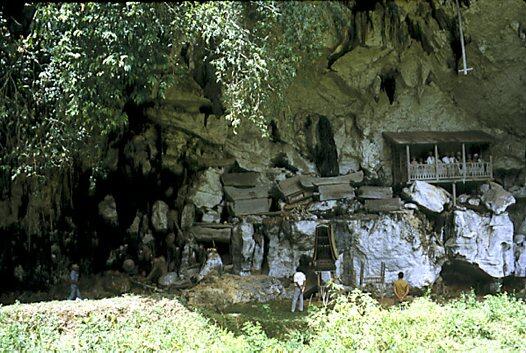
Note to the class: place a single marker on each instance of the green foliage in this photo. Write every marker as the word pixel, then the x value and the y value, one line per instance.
pixel 355 323
pixel 63 88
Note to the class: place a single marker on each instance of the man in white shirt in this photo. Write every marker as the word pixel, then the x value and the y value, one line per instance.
pixel 430 158
pixel 299 288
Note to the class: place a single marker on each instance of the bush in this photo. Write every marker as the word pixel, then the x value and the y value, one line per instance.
pixel 353 323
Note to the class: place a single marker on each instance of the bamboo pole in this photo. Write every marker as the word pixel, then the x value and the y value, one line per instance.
pixel 464 169
pixel 408 162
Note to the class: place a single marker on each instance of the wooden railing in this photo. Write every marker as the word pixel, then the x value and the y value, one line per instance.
pixel 451 171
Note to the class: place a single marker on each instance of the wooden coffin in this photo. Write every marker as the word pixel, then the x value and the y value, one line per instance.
pixel 213 233
pixel 248 207
pixel 234 194
pixel 384 205
pixel 311 183
pixel 335 192
pixel 375 192
pixel 244 180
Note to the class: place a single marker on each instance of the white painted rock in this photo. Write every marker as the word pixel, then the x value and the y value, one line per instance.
pixel 396 241
pixel 108 210
pixel 430 197
pixel 496 198
pixel 207 190
pixel 485 241
pixel 160 216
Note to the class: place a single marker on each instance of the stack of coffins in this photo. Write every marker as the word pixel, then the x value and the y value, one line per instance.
pixel 379 199
pixel 300 188
pixel 243 196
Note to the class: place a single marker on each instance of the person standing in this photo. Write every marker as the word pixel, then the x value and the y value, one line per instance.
pixel 299 288
pixel 401 288
pixel 74 283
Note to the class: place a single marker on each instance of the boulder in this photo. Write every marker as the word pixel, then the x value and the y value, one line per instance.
pixel 187 216
pixel 483 240
pixel 108 210
pixel 168 279
pixel 430 197
pixel 213 265
pixel 226 290
pixel 520 255
pixel 496 198
pixel 401 242
pixel 247 249
pixel 128 266
pixel 133 230
pixel 160 216
pixel 211 216
pixel 207 191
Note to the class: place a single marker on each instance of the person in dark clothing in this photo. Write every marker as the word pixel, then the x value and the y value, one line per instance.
pixel 74 283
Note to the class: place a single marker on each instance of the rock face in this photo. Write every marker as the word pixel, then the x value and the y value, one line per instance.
pixel 430 197
pixel 495 198
pixel 160 216
pixel 108 210
pixel 483 240
pixel 401 242
pixel 207 190
pixel 288 241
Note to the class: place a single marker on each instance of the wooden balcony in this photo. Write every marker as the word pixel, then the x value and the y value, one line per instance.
pixel 441 172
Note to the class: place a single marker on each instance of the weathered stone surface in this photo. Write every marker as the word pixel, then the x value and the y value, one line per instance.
pixel 288 241
pixel 483 240
pixel 128 266
pixel 229 289
pixel 211 216
pixel 401 242
pixel 519 251
pixel 168 279
pixel 108 210
pixel 207 190
pixel 187 216
pixel 430 197
pixel 213 265
pixel 496 198
pixel 160 216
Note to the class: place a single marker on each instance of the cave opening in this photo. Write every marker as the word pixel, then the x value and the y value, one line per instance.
pixel 463 275
pixel 326 153
pixel 388 85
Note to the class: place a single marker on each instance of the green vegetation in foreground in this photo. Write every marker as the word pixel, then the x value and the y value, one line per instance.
pixel 356 323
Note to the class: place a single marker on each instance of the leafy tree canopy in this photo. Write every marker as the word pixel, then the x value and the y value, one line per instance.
pixel 64 86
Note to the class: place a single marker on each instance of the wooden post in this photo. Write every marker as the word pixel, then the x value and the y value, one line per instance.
pixel 362 270
pixel 464 163
pixel 436 162
pixel 454 194
pixel 490 166
pixel 408 162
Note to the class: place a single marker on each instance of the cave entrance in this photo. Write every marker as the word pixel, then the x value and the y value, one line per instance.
pixel 462 275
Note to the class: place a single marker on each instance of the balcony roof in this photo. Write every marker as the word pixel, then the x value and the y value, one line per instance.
pixel 437 137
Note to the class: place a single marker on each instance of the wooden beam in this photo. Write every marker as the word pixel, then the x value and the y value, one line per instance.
pixel 436 161
pixel 454 194
pixel 408 162
pixel 464 168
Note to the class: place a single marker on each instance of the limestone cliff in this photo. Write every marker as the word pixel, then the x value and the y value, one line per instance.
pixel 395 70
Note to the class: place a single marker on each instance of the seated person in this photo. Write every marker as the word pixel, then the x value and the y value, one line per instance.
pixel 414 162
pixel 445 159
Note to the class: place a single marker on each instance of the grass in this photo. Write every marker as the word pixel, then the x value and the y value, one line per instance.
pixel 353 323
